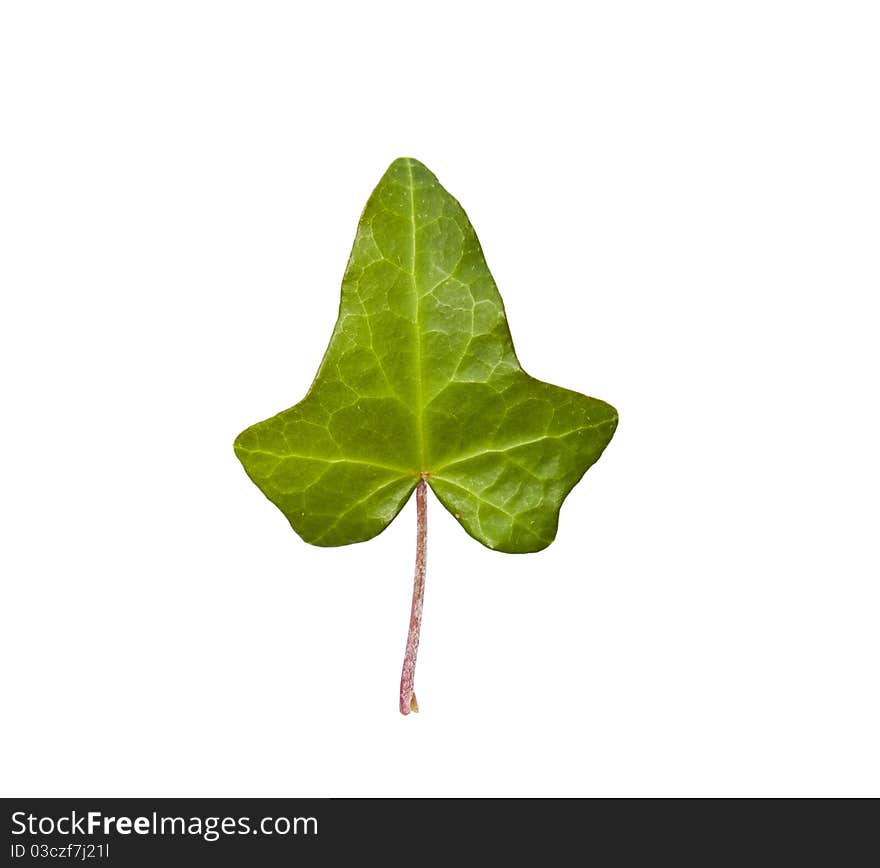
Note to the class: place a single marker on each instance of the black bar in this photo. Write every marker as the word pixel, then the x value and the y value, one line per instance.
pixel 269 832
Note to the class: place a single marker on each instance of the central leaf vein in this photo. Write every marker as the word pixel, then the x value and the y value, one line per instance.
pixel 420 423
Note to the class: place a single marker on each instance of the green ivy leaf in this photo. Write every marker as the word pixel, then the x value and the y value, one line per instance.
pixel 421 380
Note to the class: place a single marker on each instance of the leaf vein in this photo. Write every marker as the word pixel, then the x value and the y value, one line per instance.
pixel 287 455
pixel 353 507
pixel 499 449
pixel 514 519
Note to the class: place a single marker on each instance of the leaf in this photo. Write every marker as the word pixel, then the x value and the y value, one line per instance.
pixel 421 380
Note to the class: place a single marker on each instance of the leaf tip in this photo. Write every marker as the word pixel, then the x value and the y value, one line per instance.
pixel 411 172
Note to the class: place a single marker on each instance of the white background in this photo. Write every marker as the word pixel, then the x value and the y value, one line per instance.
pixel 679 203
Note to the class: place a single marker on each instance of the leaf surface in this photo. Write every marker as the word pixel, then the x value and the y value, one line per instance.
pixel 421 380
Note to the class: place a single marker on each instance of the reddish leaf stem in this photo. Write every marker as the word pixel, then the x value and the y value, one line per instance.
pixel 407 693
